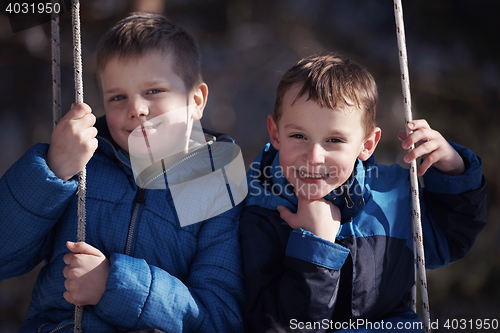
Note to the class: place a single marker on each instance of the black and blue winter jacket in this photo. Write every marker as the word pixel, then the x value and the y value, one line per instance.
pixel 294 277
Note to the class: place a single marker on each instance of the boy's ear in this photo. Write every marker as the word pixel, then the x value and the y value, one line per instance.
pixel 370 144
pixel 200 97
pixel 273 132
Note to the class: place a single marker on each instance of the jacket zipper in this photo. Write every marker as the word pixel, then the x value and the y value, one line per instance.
pixel 350 204
pixel 174 165
pixel 57 328
pixel 139 200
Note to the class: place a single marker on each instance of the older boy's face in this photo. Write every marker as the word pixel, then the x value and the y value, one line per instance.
pixel 318 146
pixel 144 98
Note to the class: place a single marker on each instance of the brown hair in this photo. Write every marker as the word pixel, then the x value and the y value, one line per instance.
pixel 145 32
pixel 331 81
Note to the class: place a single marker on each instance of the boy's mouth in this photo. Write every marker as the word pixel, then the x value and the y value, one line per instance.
pixel 145 130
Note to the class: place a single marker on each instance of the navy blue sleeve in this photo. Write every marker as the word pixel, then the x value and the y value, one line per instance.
pixel 461 216
pixel 458 203
pixel 279 286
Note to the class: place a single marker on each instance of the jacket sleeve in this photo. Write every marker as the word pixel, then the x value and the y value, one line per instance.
pixel 457 206
pixel 32 200
pixel 209 299
pixel 290 276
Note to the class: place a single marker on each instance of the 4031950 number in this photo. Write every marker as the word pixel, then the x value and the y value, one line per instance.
pixel 471 324
pixel 32 8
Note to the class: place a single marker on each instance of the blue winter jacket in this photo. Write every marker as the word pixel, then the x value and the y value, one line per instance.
pixel 296 280
pixel 175 279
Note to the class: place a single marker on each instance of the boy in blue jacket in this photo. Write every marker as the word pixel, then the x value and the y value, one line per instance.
pixel 144 265
pixel 326 232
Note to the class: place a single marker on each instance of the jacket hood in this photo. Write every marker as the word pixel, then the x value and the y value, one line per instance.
pixel 268 187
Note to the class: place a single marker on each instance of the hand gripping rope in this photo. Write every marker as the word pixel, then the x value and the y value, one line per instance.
pixel 56 105
pixel 418 243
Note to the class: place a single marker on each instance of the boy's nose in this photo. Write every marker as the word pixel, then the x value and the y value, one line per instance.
pixel 315 154
pixel 138 108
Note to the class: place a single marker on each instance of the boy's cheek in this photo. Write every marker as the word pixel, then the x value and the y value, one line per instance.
pixel 112 120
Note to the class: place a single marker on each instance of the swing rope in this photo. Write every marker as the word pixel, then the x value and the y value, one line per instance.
pixel 82 175
pixel 418 244
pixel 56 112
pixel 56 70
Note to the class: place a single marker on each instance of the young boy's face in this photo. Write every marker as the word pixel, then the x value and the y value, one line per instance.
pixel 144 98
pixel 318 146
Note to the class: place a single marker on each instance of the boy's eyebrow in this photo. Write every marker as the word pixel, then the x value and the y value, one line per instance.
pixel 112 91
pixel 293 126
pixel 152 83
pixel 145 84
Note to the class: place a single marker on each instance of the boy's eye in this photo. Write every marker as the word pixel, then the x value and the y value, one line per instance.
pixel 335 140
pixel 297 136
pixel 118 98
pixel 154 91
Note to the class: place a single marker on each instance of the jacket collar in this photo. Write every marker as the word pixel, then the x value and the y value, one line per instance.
pixel 219 150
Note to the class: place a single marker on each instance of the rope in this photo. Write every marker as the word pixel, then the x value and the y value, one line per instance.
pixel 416 222
pixel 56 112
pixel 56 70
pixel 82 175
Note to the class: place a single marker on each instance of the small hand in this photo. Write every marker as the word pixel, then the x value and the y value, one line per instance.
pixel 73 142
pixel 320 217
pixel 432 147
pixel 86 274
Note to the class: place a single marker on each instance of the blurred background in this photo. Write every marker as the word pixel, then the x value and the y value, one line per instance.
pixel 246 46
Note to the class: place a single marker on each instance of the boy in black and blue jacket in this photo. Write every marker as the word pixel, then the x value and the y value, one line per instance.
pixel 326 232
